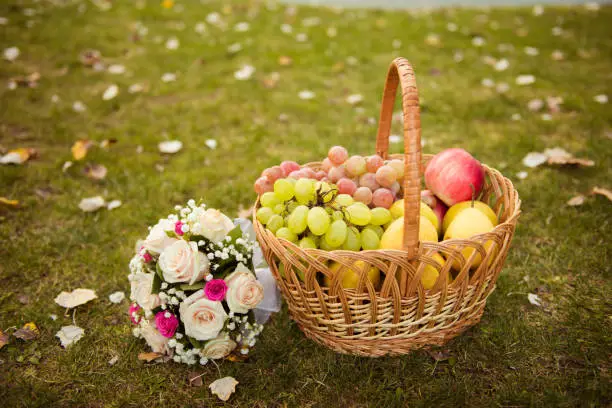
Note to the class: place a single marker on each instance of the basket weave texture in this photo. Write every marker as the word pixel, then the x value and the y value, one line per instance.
pixel 399 315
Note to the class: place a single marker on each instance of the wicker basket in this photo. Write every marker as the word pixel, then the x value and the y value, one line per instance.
pixel 400 315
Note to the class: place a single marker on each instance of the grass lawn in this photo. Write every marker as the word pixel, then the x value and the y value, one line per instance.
pixel 519 355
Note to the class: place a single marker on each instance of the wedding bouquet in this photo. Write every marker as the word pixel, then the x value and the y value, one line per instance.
pixel 193 287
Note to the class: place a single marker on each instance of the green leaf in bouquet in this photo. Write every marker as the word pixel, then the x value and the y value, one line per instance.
pixel 235 234
pixel 172 234
pixel 157 281
pixel 159 272
pixel 185 287
pixel 196 343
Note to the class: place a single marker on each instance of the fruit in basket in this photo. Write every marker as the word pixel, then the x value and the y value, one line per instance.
pixel 298 219
pixel 304 190
pixel 382 197
pixel 336 234
pixel 359 214
pixel 363 195
pixel 453 175
pixel 353 240
pixel 429 198
pixel 318 220
pixel 337 155
pixel 263 185
pixel 373 163
pixel 431 273
pixel 346 186
pixel 397 210
pixel 393 237
pixel 386 176
pixel 355 166
pixel 298 272
pixel 466 224
pixel 440 210
pixel 350 275
pixel 369 239
pixel 284 189
pixel 452 212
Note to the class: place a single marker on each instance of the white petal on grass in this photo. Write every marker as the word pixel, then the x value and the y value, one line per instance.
pixel 538 10
pixel 244 73
pixel 487 82
pixel 557 31
pixel 67 165
pixel 522 175
pixel 332 32
pixel 396 44
pixel 242 27
pixel 234 48
pixel 116 297
pixel 116 69
pixel 301 37
pixel 592 6
pixel 170 146
pixel 452 27
pixel 114 204
pixel 502 87
pixel 576 201
pixel 69 335
pixel 79 106
pixel 531 51
pixel 3 20
pixel 11 53
pixel 557 153
pixel 223 388
pixel 211 143
pixel 53 316
pixel 311 21
pixel 458 56
pixel 113 361
pixel 168 77
pixel 516 117
pixel 601 98
pixel 135 88
pixel 534 299
pixel 546 117
pixel 395 139
pixel 306 95
pixel 110 92
pixel 478 41
pixel 213 18
pixel 172 43
pixel 75 298
pixel 557 55
pixel 92 204
pixel 200 28
pixel 534 159
pixel 286 28
pixel 525 79
pixel 501 65
pixel 354 99
pixel 535 105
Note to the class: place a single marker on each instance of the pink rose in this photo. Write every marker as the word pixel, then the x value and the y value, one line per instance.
pixel 178 228
pixel 215 289
pixel 133 312
pixel 166 325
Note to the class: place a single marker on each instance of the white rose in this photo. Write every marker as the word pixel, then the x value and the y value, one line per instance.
pixel 244 292
pixel 157 240
pixel 213 224
pixel 141 287
pixel 218 347
pixel 157 342
pixel 203 318
pixel 182 262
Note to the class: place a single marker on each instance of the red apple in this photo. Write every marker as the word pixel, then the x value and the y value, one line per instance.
pixel 429 198
pixel 440 210
pixel 453 175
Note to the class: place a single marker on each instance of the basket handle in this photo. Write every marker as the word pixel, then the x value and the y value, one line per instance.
pixel 400 71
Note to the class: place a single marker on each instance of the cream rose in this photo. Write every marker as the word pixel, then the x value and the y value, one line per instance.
pixel 157 240
pixel 141 287
pixel 218 347
pixel 182 262
pixel 244 292
pixel 203 318
pixel 213 224
pixel 157 342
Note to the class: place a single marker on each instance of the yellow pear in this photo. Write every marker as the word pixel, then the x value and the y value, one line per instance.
pixel 350 277
pixel 466 224
pixel 457 208
pixel 393 237
pixel 431 273
pixel 397 210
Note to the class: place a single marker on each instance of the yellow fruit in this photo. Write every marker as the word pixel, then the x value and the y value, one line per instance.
pixel 431 216
pixel 466 224
pixel 457 208
pixel 393 237
pixel 397 209
pixel 350 277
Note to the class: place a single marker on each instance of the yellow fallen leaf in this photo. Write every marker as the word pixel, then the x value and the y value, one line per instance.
pixel 602 191
pixel 10 203
pixel 95 171
pixel 75 298
pixel 4 339
pixel 29 331
pixel 18 156
pixel 284 60
pixel 167 4
pixel 79 149
pixel 570 161
pixel 148 357
pixel 223 388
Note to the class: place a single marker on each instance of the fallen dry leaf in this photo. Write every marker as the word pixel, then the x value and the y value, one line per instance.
pixel 170 146
pixel 439 355
pixel 106 143
pixel 534 159
pixel 576 201
pixel 114 204
pixel 148 357
pixel 75 298
pixel 80 147
pixel 113 361
pixel 92 204
pixel 18 156
pixel 29 331
pixel 4 339
pixel 195 379
pixel 224 387
pixel 570 161
pixel 8 202
pixel 116 297
pixel 602 191
pixel 69 335
pixel 29 81
pixel 534 299
pixel 95 171
pixel 284 60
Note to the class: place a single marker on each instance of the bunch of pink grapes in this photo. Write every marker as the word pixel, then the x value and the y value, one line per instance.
pixel 371 180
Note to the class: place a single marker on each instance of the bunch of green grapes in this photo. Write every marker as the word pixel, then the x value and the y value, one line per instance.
pixel 312 214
